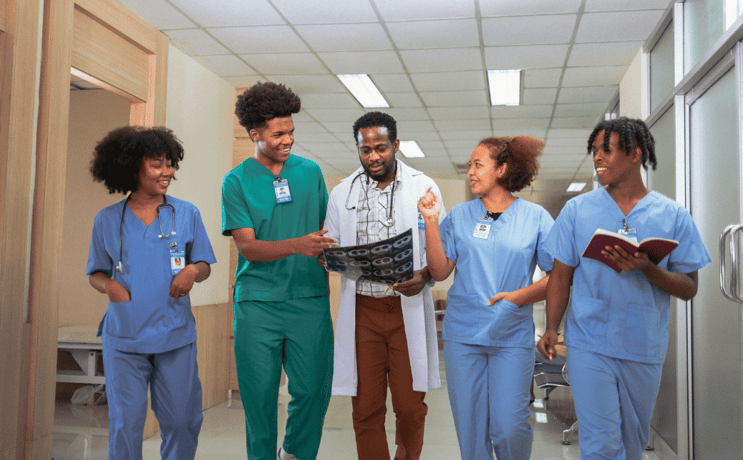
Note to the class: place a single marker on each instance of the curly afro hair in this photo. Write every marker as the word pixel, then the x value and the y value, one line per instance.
pixel 376 120
pixel 118 157
pixel 632 132
pixel 265 101
pixel 520 153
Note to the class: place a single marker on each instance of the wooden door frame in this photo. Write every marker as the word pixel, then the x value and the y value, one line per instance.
pixel 61 49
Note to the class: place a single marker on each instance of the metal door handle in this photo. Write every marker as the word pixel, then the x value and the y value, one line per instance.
pixel 723 280
pixel 734 263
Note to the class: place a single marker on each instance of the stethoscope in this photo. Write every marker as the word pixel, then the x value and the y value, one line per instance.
pixel 390 221
pixel 120 266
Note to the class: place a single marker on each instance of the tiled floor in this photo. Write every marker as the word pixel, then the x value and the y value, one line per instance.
pixel 81 431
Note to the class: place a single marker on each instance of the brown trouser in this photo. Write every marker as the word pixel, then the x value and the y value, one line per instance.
pixel 382 355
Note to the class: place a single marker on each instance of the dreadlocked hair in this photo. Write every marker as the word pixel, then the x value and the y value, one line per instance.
pixel 265 101
pixel 632 133
pixel 520 153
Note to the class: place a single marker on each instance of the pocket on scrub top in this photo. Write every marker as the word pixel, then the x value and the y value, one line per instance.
pixel 120 319
pixel 642 328
pixel 590 317
pixel 510 322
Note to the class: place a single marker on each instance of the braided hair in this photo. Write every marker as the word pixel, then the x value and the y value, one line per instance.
pixel 265 101
pixel 632 133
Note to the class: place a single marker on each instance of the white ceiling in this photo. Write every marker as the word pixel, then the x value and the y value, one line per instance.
pixel 430 59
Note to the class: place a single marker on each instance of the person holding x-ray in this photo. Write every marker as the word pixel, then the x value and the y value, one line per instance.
pixel 146 253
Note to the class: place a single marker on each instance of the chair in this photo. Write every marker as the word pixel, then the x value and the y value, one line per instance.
pixel 550 376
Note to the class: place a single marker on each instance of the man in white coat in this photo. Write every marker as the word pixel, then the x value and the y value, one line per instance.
pixel 384 334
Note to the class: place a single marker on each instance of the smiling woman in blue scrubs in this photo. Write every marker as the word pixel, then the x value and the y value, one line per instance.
pixel 617 325
pixel 146 253
pixel 495 242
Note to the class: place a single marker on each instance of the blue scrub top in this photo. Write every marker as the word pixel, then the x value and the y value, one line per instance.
pixel 622 315
pixel 505 261
pixel 152 322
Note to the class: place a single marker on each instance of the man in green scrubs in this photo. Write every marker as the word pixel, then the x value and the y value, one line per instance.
pixel 273 206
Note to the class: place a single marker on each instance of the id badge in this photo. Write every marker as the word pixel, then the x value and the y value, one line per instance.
pixel 177 260
pixel 482 230
pixel 421 222
pixel 630 233
pixel 281 189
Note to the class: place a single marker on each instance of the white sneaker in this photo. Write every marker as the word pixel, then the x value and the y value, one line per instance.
pixel 284 455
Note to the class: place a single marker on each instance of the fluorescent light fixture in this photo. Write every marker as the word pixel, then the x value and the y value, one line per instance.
pixel 411 149
pixel 576 187
pixel 505 86
pixel 732 10
pixel 363 90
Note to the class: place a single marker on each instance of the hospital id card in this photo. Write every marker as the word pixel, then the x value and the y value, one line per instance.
pixel 482 229
pixel 281 189
pixel 177 260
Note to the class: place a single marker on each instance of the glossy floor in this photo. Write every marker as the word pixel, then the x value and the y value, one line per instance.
pixel 81 431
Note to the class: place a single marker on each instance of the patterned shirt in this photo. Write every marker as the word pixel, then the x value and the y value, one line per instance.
pixel 372 224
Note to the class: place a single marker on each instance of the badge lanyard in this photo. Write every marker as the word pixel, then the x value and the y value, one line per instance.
pixel 282 191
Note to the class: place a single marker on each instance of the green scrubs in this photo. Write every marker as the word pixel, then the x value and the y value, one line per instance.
pixel 282 313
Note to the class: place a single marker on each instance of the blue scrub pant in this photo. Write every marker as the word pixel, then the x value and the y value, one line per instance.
pixel 614 400
pixel 489 396
pixel 298 334
pixel 175 388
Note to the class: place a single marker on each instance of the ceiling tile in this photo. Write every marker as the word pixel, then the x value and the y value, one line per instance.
pixel 455 98
pixel 539 96
pixel 260 39
pixel 575 122
pixel 411 114
pixel 579 110
pixel 329 101
pixel 568 134
pixel 244 81
pixel 442 60
pixel 345 37
pixel 229 12
pixel 367 62
pixel 455 33
pixel 336 115
pixel 522 111
pixel 395 10
pixel 525 57
pixel 469 136
pixel 600 54
pixel 405 126
pixel 392 83
pixel 328 12
pixel 285 63
pixel 481 124
pixel 159 13
pixel 528 30
pixel 449 81
pixel 613 5
pixel 617 26
pixel 458 113
pixel 195 42
pixel 591 94
pixel 534 132
pixel 593 76
pixel 225 65
pixel 532 7
pixel 305 84
pixel 403 100
pixel 542 78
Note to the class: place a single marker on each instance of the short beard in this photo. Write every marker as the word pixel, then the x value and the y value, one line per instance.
pixel 385 172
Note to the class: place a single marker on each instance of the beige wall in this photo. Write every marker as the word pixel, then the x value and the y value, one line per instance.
pixel 92 115
pixel 631 89
pixel 200 112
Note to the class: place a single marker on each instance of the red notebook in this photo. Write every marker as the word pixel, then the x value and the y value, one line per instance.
pixel 656 248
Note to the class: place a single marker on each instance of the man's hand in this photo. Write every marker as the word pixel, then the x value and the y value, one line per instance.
pixel 546 345
pixel 183 281
pixel 501 296
pixel 626 261
pixel 414 285
pixel 312 244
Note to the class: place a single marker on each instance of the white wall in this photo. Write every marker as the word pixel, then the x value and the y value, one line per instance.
pixel 200 109
pixel 632 89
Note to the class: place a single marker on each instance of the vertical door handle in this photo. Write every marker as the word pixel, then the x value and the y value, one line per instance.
pixel 734 263
pixel 723 269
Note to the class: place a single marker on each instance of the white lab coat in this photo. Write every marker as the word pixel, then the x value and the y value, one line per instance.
pixel 418 317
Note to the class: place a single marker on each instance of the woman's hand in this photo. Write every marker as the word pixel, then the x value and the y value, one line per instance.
pixel 183 281
pixel 116 292
pixel 429 205
pixel 502 296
